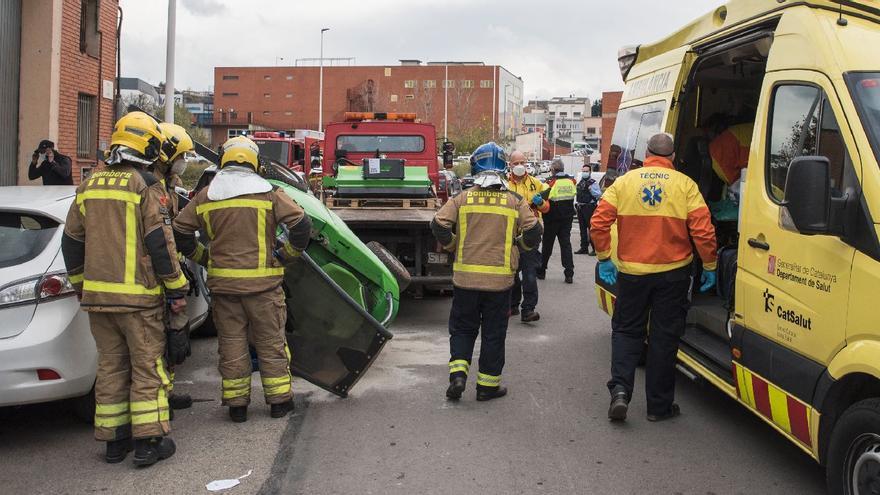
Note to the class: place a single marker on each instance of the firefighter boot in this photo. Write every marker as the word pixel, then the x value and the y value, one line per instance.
pixel 280 410
pixel 485 393
pixel 117 450
pixel 180 401
pixel 149 451
pixel 457 383
pixel 238 414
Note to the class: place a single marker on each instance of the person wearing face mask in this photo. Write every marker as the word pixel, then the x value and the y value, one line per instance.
pixel 175 152
pixel 525 283
pixel 588 194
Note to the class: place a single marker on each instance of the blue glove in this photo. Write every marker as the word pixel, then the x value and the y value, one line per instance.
pixel 608 272
pixel 537 200
pixel 708 281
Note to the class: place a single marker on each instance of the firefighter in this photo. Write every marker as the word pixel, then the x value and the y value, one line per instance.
pixel 240 211
pixel 122 262
pixel 177 149
pixel 557 222
pixel 659 212
pixel 483 225
pixel 526 289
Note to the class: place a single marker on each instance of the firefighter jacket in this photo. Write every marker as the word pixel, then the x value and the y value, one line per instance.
pixel 527 187
pixel 242 234
pixel 481 226
pixel 730 152
pixel 562 191
pixel 169 183
pixel 658 211
pixel 118 244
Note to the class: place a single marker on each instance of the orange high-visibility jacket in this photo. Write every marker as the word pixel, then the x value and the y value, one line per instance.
pixel 658 211
pixel 730 152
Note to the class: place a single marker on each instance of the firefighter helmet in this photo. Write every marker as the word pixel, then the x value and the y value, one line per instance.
pixel 137 138
pixel 488 157
pixel 177 142
pixel 240 150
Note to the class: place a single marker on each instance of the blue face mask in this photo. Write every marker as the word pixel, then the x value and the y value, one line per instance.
pixel 585 175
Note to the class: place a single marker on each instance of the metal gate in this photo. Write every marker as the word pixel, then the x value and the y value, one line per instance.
pixel 10 62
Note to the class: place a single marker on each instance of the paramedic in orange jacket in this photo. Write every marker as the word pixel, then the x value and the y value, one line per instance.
pixel 659 212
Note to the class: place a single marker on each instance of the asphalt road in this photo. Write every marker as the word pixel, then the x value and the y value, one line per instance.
pixel 398 434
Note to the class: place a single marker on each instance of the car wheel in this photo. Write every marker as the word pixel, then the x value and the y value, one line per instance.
pixel 392 263
pixel 207 328
pixel 853 466
pixel 277 172
pixel 84 407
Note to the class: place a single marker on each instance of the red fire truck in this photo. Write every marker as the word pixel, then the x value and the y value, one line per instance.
pixel 296 150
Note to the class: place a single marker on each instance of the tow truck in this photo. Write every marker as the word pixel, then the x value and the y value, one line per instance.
pixel 294 150
pixel 382 176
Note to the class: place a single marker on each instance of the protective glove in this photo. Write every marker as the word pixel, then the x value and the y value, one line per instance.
pixel 537 200
pixel 608 272
pixel 708 281
pixel 177 346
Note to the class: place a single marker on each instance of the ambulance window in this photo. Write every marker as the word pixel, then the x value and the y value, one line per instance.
pixel 793 132
pixel 831 145
pixel 631 132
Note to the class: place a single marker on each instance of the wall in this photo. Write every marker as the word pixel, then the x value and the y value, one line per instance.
pixel 610 104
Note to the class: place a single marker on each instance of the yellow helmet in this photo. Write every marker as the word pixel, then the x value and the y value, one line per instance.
pixel 240 150
pixel 177 142
pixel 136 137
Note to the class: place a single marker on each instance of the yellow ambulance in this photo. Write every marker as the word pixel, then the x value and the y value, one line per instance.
pixel 792 335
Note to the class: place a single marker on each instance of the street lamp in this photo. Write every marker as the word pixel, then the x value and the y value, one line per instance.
pixel 169 61
pixel 321 84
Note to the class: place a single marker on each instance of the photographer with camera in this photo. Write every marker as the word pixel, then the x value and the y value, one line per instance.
pixel 54 168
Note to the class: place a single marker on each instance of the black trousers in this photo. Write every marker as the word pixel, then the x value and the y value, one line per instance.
pixel 525 284
pixel 661 298
pixel 558 229
pixel 585 212
pixel 471 311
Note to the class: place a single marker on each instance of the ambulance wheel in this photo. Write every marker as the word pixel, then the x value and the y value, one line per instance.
pixel 853 466
pixel 280 173
pixel 401 274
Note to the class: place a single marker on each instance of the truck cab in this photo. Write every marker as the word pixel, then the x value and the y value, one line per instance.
pixel 790 334
pixel 295 151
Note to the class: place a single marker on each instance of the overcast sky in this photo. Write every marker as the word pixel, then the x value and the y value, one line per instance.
pixel 557 47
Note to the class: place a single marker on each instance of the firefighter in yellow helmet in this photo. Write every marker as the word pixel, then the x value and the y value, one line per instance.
pixel 241 212
pixel 177 150
pixel 120 255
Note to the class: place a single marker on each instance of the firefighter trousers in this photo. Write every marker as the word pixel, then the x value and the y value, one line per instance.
pixel 131 388
pixel 662 300
pixel 257 319
pixel 472 311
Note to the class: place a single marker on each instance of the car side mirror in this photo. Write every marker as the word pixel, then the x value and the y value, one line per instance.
pixel 807 204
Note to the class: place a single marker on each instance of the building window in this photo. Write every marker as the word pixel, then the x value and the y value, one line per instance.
pixel 486 83
pixel 289 95
pixel 288 113
pixel 409 83
pixel 289 78
pixel 267 78
pixel 89 36
pixel 410 97
pixel 591 130
pixel 230 77
pixel 577 114
pixel 86 125
pixel 393 98
pixel 230 94
pixel 467 83
pixel 266 113
pixel 448 83
pixel 387 71
pixel 429 83
pixel 563 114
pixel 231 133
pixel 267 95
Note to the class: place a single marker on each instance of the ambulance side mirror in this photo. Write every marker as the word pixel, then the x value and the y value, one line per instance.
pixel 807 205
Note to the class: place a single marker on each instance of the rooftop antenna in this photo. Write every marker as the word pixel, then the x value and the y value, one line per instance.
pixel 840 20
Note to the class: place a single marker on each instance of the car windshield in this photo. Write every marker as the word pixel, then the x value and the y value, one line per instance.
pixel 23 237
pixel 274 150
pixel 865 88
pixel 384 144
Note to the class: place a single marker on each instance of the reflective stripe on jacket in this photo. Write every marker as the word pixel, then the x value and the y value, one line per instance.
pixel 481 226
pixel 527 187
pixel 118 245
pixel 658 211
pixel 242 231
pixel 730 152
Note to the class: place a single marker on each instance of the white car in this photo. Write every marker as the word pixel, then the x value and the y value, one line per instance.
pixel 530 168
pixel 544 168
pixel 47 351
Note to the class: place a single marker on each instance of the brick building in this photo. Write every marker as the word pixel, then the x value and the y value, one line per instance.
pixel 285 98
pixel 60 79
pixel 610 104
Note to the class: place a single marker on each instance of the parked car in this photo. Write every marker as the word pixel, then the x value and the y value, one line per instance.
pixel 544 167
pixel 530 168
pixel 47 352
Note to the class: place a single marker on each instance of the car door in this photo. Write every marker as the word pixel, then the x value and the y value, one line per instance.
pixel 792 289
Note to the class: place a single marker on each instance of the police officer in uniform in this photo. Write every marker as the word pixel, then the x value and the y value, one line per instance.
pixel 659 213
pixel 483 226
pixel 240 211
pixel 121 259
pixel 557 222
